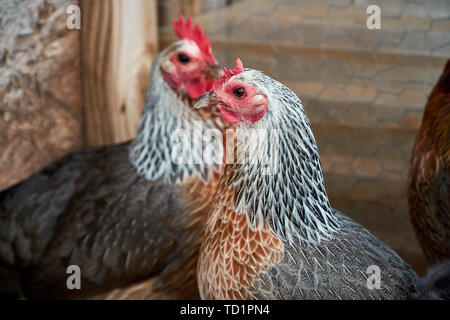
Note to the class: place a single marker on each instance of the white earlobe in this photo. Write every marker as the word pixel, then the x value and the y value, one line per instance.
pixel 259 99
pixel 168 66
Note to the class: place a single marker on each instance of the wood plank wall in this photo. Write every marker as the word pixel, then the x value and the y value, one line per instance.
pixel 118 43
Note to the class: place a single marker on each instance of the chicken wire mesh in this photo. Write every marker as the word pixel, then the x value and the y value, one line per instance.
pixel 363 90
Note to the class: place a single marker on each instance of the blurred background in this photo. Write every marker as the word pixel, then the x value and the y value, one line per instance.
pixel 364 90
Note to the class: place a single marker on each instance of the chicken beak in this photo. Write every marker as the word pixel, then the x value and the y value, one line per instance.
pixel 212 71
pixel 208 99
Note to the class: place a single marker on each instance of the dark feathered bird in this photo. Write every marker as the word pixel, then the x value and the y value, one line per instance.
pixel 123 213
pixel 271 232
pixel 429 175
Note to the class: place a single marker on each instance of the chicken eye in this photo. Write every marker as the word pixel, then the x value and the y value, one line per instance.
pixel 239 92
pixel 183 58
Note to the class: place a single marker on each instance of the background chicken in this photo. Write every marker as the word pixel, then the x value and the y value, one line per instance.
pixel 126 212
pixel 429 175
pixel 273 234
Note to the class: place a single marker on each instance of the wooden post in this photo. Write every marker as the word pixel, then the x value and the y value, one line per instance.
pixel 118 42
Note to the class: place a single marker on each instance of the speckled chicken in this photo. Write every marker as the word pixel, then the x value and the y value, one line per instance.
pixel 271 232
pixel 125 214
pixel 429 175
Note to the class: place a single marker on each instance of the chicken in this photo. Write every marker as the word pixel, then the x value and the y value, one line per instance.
pixel 429 175
pixel 271 232
pixel 123 213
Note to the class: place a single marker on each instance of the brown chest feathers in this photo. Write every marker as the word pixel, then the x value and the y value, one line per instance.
pixel 234 253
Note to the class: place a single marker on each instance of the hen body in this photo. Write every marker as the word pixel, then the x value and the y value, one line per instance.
pixel 338 269
pixel 93 210
pixel 429 176
pixel 125 214
pixel 272 234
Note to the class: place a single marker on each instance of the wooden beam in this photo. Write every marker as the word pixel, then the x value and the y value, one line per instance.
pixel 118 43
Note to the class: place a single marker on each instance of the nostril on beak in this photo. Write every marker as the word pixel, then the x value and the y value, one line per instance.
pixel 213 65
pixel 212 71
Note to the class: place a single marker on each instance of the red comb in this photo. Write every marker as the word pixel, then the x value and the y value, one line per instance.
pixel 185 31
pixel 228 73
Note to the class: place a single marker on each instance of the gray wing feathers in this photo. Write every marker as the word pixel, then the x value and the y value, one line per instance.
pixel 337 269
pixel 90 209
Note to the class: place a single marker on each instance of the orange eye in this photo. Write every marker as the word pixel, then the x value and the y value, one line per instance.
pixel 239 92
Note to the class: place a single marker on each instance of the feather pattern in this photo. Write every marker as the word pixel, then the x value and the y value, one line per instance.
pixel 125 214
pixel 165 114
pixel 280 229
pixel 429 176
pixel 298 204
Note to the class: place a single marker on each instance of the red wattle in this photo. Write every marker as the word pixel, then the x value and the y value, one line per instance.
pixel 196 89
pixel 228 116
pixel 170 81
pixel 257 116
